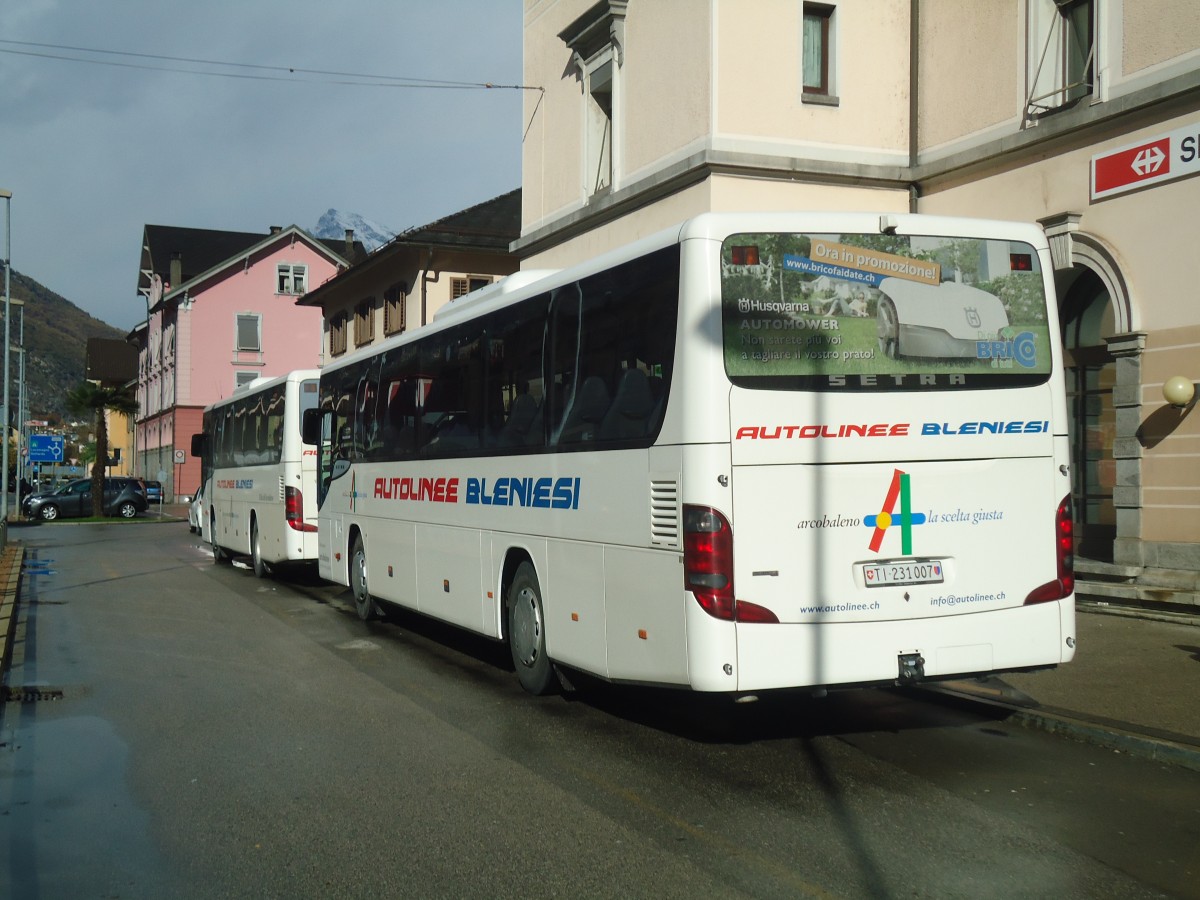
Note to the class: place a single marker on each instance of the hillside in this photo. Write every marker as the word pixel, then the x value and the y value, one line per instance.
pixel 56 334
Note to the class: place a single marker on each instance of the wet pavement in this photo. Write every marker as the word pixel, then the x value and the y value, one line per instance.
pixel 1132 685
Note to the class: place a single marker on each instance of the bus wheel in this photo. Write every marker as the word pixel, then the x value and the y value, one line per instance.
pixel 260 567
pixel 219 554
pixel 527 632
pixel 364 604
pixel 888 328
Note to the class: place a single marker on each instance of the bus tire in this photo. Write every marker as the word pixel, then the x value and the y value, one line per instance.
pixel 527 632
pixel 219 554
pixel 364 603
pixel 260 567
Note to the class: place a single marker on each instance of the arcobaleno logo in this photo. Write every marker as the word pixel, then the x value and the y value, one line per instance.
pixel 900 490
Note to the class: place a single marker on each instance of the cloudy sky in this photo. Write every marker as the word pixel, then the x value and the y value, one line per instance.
pixel 92 151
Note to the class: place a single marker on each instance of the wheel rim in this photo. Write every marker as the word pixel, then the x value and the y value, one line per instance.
pixel 49 512
pixel 527 626
pixel 358 572
pixel 128 511
pixel 256 553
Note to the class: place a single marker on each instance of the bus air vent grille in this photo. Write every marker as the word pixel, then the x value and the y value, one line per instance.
pixel 664 511
pixel 282 491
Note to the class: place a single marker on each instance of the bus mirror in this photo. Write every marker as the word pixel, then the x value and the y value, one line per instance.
pixel 200 445
pixel 310 426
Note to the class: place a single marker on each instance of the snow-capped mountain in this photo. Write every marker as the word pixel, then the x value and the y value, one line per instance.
pixel 334 224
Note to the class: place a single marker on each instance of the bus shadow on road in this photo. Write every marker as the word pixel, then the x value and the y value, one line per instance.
pixel 775 715
pixel 701 717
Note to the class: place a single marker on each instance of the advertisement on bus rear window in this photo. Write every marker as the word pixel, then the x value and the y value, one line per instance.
pixel 882 312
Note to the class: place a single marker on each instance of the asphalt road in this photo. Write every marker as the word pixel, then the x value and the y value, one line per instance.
pixel 203 733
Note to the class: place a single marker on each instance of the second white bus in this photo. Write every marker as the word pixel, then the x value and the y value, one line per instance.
pixel 259 476
pixel 756 451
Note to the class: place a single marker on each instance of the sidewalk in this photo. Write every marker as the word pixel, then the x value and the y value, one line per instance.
pixel 1134 685
pixel 169 511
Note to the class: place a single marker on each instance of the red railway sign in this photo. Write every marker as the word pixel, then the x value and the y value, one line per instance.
pixel 1162 158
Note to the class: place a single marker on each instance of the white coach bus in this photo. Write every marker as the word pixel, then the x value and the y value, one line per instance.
pixel 257 472
pixel 756 451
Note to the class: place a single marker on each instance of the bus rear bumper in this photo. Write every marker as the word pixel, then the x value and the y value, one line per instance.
pixel 837 653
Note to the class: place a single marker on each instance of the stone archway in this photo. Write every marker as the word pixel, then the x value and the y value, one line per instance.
pixel 1103 350
pixel 1085 314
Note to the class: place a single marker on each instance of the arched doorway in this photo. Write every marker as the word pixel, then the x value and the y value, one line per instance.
pixel 1086 313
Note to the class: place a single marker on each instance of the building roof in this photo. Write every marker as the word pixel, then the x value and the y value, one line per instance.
pixel 201 250
pixel 490 226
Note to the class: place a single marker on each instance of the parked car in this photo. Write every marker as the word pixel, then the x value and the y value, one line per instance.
pixel 122 497
pixel 196 511
pixel 154 492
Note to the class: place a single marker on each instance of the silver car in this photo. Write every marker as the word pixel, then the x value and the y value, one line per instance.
pixel 196 511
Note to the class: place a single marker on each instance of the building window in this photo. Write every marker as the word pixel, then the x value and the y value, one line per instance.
pixel 364 322
pixel 460 287
pixel 1061 54
pixel 598 122
pixel 394 303
pixel 337 334
pixel 596 40
pixel 817 50
pixel 249 332
pixel 292 278
pixel 243 378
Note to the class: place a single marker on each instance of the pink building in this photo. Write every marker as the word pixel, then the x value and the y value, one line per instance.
pixel 220 311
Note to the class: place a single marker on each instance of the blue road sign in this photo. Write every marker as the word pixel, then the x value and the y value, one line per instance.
pixel 45 448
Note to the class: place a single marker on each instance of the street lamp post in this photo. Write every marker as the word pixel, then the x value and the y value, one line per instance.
pixel 6 195
pixel 19 431
pixel 21 411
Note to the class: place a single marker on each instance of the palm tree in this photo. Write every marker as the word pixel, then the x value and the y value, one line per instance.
pixel 90 398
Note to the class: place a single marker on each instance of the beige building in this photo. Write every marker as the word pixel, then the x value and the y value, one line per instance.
pixel 1083 115
pixel 402 284
pixel 120 442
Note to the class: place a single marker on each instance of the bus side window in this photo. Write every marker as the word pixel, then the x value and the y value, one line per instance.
pixel 631 410
pixel 509 382
pixel 523 425
pixel 342 428
pixel 400 422
pixel 398 403
pixel 366 437
pixel 582 421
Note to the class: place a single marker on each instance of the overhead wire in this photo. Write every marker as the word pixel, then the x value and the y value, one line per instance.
pixel 360 79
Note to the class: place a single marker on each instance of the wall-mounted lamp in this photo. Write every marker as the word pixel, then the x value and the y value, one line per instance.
pixel 1178 391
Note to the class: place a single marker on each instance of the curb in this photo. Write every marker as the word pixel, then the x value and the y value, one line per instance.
pixel 1166 613
pixel 1166 747
pixel 10 579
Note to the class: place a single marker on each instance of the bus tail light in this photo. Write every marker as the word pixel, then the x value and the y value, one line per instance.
pixel 1064 553
pixel 293 505
pixel 708 567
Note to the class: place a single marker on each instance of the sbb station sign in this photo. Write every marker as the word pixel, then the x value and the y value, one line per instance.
pixel 1149 162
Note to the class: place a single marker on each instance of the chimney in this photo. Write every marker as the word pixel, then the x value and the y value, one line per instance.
pixel 176 269
pixel 349 243
pixel 275 229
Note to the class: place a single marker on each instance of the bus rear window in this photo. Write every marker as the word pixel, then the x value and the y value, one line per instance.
pixel 882 312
